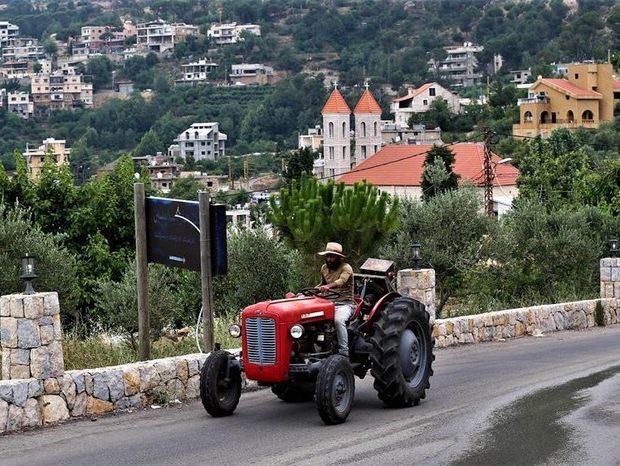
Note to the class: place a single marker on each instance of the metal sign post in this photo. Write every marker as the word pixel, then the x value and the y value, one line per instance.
pixel 142 272
pixel 205 269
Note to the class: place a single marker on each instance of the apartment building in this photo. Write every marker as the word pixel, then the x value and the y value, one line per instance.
pixel 20 104
pixel 202 141
pixel 585 99
pixel 394 133
pixel 419 101
pixel 230 33
pixel 59 91
pixel 197 71
pixel 99 39
pixel 252 73
pixel 159 36
pixel 312 139
pixel 22 48
pixel 35 158
pixel 460 66
pixel 520 76
pixel 15 69
pixel 7 31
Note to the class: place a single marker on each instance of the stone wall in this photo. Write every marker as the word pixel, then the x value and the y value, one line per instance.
pixel 31 336
pixel 420 285
pixel 512 323
pixel 610 277
pixel 33 402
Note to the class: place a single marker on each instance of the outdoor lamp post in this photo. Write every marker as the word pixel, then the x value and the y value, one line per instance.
pixel 417 256
pixel 613 247
pixel 28 273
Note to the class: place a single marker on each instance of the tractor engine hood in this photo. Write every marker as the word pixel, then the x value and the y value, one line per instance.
pixel 301 310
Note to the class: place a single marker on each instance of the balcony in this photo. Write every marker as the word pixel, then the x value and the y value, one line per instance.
pixel 539 99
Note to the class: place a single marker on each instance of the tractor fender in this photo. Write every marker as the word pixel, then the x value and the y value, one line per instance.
pixel 376 310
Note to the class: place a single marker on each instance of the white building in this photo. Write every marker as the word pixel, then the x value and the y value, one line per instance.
pixel 419 101
pixel 197 71
pixel 203 141
pixel 313 139
pixel 392 133
pixel 336 135
pixel 460 66
pixel 22 48
pixel 230 33
pixel 7 31
pixel 159 36
pixel 251 73
pixel 20 103
pixel 520 76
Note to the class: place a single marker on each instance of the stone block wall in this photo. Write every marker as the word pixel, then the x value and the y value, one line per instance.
pixel 420 285
pixel 610 277
pixel 32 402
pixel 512 323
pixel 31 336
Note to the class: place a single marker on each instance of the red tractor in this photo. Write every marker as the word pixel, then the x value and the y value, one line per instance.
pixel 291 345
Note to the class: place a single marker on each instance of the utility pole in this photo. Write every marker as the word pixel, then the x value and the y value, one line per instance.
pixel 231 181
pixel 488 174
pixel 206 276
pixel 142 271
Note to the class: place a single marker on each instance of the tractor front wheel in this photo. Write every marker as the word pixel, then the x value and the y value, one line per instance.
pixel 402 353
pixel 220 385
pixel 335 390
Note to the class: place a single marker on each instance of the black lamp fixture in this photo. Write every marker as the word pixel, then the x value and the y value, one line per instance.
pixel 613 247
pixel 28 273
pixel 417 256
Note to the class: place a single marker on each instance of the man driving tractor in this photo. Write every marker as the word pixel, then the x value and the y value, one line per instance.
pixel 337 276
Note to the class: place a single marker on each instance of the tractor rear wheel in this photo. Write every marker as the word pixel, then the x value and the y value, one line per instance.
pixel 219 394
pixel 402 356
pixel 294 392
pixel 335 390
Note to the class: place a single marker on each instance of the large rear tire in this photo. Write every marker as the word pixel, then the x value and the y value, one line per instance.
pixel 294 392
pixel 219 395
pixel 402 356
pixel 335 390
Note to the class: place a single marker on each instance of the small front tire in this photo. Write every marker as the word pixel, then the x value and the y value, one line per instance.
pixel 219 395
pixel 335 390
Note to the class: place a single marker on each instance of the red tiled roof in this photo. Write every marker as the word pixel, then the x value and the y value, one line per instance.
pixel 413 92
pixel 568 87
pixel 367 104
pixel 403 165
pixel 336 104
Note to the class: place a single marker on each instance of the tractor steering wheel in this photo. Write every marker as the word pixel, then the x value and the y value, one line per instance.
pixel 316 292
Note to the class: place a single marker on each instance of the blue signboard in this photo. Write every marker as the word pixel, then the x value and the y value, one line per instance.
pixel 173 234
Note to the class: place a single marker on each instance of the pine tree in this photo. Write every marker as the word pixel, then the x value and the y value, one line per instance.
pixel 437 179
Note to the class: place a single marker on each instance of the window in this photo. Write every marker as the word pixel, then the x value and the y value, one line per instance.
pixel 376 149
pixel 331 130
pixel 364 152
pixel 209 184
pixel 375 128
pixel 344 129
pixel 570 116
pixel 344 153
pixel 363 129
pixel 527 116
pixel 567 97
pixel 331 152
pixel 544 117
pixel 587 115
pixel 425 102
pixel 576 75
pixel 431 92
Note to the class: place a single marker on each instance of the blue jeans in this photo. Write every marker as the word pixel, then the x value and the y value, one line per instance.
pixel 343 314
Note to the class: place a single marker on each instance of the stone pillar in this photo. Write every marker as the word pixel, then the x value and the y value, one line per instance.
pixel 610 277
pixel 31 336
pixel 420 285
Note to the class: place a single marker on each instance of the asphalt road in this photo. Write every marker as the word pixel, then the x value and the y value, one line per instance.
pixel 551 400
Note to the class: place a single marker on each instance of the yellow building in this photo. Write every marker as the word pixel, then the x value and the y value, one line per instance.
pixel 36 157
pixel 585 99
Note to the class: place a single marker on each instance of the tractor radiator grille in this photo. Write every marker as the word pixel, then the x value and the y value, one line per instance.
pixel 260 334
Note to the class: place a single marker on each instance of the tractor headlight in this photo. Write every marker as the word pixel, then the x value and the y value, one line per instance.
pixel 234 330
pixel 297 331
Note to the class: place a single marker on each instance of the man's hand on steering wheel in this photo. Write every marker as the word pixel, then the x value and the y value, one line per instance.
pixel 323 288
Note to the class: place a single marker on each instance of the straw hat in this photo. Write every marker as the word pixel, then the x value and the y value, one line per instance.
pixel 332 248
